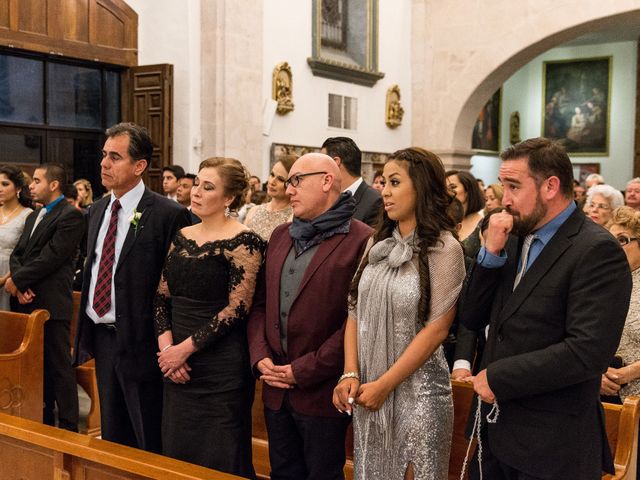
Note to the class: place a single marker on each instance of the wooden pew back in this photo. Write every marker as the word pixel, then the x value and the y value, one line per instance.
pixel 21 363
pixel 621 424
pixel 32 450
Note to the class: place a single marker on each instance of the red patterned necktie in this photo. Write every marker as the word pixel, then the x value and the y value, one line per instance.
pixel 102 292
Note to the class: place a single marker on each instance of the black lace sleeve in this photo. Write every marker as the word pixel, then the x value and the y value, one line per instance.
pixel 162 300
pixel 245 260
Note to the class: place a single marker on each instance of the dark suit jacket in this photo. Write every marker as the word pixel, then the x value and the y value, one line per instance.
pixel 136 279
pixel 45 262
pixel 549 342
pixel 368 204
pixel 315 325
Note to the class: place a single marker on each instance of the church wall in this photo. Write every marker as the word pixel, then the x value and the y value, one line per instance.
pixel 169 32
pixel 287 36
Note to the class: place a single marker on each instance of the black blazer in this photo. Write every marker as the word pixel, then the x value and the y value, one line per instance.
pixel 368 204
pixel 45 261
pixel 549 342
pixel 136 279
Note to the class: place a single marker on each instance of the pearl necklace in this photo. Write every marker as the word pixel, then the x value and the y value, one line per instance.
pixel 4 218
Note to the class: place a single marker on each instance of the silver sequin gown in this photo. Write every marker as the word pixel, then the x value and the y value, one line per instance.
pixel 415 423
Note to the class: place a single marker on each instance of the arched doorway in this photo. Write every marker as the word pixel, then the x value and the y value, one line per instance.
pixel 461 58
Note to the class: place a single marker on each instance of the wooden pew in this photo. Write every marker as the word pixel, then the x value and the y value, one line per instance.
pixel 261 444
pixel 621 423
pixel 21 363
pixel 36 451
pixel 86 376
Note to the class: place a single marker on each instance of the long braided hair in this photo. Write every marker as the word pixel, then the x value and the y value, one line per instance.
pixel 427 174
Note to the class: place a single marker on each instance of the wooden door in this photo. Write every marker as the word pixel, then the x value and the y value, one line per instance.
pixel 148 101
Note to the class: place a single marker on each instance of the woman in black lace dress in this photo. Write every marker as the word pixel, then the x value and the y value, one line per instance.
pixel 201 305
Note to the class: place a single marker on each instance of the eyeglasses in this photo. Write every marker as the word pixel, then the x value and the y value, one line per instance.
pixel 278 177
pixel 600 206
pixel 294 180
pixel 625 240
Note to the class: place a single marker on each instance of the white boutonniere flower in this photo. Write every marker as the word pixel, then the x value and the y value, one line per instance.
pixel 134 220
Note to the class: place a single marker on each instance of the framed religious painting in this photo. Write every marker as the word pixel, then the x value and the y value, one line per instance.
pixel 576 100
pixel 582 170
pixel 486 131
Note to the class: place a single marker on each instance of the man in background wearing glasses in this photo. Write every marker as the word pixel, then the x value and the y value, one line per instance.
pixel 296 327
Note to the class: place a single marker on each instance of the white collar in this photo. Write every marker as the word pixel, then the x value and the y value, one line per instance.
pixel 130 200
pixel 354 186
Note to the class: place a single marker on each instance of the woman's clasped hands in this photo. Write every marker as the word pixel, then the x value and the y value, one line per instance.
pixel 350 393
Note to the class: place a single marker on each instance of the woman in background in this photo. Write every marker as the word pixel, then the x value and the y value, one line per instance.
pixel 15 206
pixel 493 197
pixel 601 201
pixel 85 192
pixel 263 219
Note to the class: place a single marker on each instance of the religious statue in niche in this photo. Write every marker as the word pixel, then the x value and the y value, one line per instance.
pixel 394 110
pixel 282 88
pixel 514 128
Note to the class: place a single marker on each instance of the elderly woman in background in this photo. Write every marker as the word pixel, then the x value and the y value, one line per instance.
pixel 601 201
pixel 85 192
pixel 263 219
pixel 625 381
pixel 493 197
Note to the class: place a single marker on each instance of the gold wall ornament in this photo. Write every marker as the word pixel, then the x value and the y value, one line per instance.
pixel 393 111
pixel 282 88
pixel 514 128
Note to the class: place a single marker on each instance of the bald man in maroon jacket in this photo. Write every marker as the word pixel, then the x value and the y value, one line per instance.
pixel 296 328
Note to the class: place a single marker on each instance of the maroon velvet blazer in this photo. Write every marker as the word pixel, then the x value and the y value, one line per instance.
pixel 315 326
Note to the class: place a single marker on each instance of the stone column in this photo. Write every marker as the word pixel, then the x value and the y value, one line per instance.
pixel 231 100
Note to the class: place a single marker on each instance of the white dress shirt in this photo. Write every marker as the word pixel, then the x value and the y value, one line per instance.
pixel 354 186
pixel 128 202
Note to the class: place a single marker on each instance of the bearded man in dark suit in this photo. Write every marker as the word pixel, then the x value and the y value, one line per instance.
pixel 42 266
pixel 554 288
pixel 129 234
pixel 296 327
pixel 348 157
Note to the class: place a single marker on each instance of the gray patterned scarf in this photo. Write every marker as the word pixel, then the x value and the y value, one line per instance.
pixel 375 319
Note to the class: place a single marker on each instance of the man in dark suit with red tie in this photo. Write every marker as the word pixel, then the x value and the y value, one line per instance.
pixel 42 267
pixel 296 327
pixel 129 235
pixel 554 288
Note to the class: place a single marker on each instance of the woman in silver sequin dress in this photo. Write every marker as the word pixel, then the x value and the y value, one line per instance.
pixel 625 381
pixel 403 302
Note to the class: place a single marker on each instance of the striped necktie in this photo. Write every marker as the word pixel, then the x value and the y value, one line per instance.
pixel 102 292
pixel 524 257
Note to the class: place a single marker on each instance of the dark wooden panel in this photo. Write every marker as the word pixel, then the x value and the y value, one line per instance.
pixel 111 30
pixel 32 16
pixel 150 90
pixel 100 30
pixel 76 26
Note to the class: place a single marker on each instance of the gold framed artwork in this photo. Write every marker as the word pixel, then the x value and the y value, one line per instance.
pixel 576 104
pixel 486 131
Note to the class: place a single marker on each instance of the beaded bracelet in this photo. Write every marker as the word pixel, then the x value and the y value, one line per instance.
pixel 349 375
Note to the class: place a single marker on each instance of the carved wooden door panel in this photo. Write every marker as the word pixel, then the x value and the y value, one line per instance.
pixel 148 101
